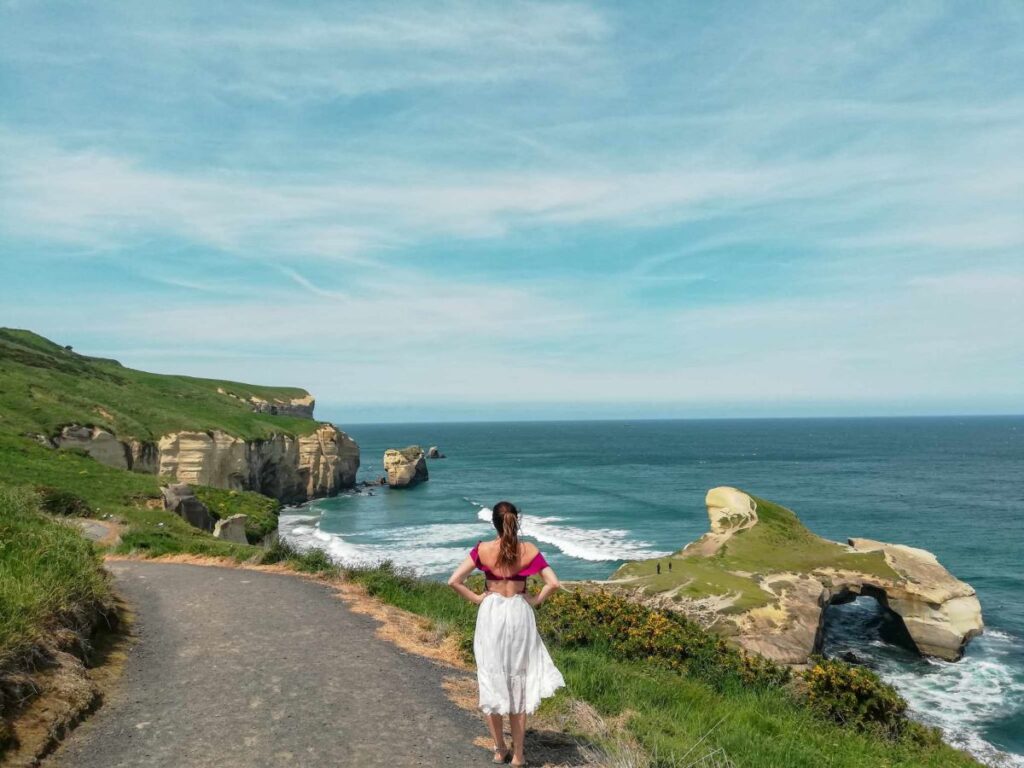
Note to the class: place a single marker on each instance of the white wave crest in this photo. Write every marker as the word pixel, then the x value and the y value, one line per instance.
pixel 432 534
pixel 418 556
pixel 593 544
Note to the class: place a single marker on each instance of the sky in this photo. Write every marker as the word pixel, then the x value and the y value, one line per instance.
pixel 446 211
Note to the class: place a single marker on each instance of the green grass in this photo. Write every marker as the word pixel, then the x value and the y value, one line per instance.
pixel 130 498
pixel 696 577
pixel 314 561
pixel 755 728
pixel 44 386
pixel 50 578
pixel 262 511
pixel 669 711
pixel 778 542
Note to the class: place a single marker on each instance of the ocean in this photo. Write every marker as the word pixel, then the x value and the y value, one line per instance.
pixel 595 494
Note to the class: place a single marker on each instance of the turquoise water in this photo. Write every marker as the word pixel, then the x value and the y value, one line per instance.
pixel 595 494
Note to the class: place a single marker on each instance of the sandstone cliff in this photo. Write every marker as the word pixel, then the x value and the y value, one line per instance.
pixel 289 468
pixel 764 580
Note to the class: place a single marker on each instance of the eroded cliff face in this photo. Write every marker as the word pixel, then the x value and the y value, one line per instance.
pixel 291 469
pixel 288 468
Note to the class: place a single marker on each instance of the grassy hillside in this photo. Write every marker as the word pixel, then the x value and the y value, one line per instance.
pixel 778 543
pixel 44 386
pixel 669 683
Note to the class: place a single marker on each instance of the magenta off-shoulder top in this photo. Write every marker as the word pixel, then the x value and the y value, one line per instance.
pixel 536 565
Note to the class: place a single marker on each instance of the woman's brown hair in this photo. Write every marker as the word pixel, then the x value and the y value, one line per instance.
pixel 506 521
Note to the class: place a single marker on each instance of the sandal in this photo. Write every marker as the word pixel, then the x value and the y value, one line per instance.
pixel 502 755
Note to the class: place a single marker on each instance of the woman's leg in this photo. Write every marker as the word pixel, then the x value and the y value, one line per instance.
pixel 497 731
pixel 517 724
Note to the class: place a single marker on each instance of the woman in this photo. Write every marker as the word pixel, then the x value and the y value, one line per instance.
pixel 513 667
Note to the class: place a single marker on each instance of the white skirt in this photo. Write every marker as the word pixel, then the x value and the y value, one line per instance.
pixel 513 668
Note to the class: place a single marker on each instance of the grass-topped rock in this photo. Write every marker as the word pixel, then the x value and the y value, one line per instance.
pixel 762 578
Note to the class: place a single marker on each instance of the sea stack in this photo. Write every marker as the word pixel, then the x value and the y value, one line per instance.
pixel 405 467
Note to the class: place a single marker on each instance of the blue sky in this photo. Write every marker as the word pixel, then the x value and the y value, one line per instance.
pixel 540 210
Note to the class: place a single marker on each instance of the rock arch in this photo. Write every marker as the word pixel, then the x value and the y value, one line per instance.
pixel 941 613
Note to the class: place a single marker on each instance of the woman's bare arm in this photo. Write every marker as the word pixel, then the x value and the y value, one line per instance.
pixel 550 585
pixel 458 578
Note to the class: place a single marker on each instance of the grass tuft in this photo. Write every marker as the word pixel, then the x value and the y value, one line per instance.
pixel 53 592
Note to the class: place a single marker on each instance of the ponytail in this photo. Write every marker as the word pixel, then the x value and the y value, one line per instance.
pixel 506 521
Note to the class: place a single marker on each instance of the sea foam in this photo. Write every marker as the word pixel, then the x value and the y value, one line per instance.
pixel 422 555
pixel 593 544
pixel 960 698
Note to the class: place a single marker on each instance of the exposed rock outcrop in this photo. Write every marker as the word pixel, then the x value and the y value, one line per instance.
pixel 291 469
pixel 287 468
pixel 433 452
pixel 762 579
pixel 231 529
pixel 299 407
pixel 181 499
pixel 107 449
pixel 97 442
pixel 405 467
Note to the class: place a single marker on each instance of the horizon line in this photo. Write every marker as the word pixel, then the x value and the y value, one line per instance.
pixel 862 417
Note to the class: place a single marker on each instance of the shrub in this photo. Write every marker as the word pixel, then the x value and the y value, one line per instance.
pixel 314 561
pixel 632 631
pixel 57 501
pixel 277 552
pixel 855 696
pixel 310 561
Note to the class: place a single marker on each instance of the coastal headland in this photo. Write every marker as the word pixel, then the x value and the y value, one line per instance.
pixel 762 579
pixel 236 667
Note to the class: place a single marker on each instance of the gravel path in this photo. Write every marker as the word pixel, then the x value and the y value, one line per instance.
pixel 243 668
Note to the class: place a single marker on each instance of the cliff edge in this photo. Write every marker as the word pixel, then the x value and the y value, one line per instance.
pixel 201 431
pixel 760 577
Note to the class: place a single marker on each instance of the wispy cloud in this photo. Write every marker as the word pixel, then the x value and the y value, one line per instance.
pixel 599 202
pixel 335 50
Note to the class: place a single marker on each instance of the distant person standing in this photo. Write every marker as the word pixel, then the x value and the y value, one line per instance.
pixel 513 668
